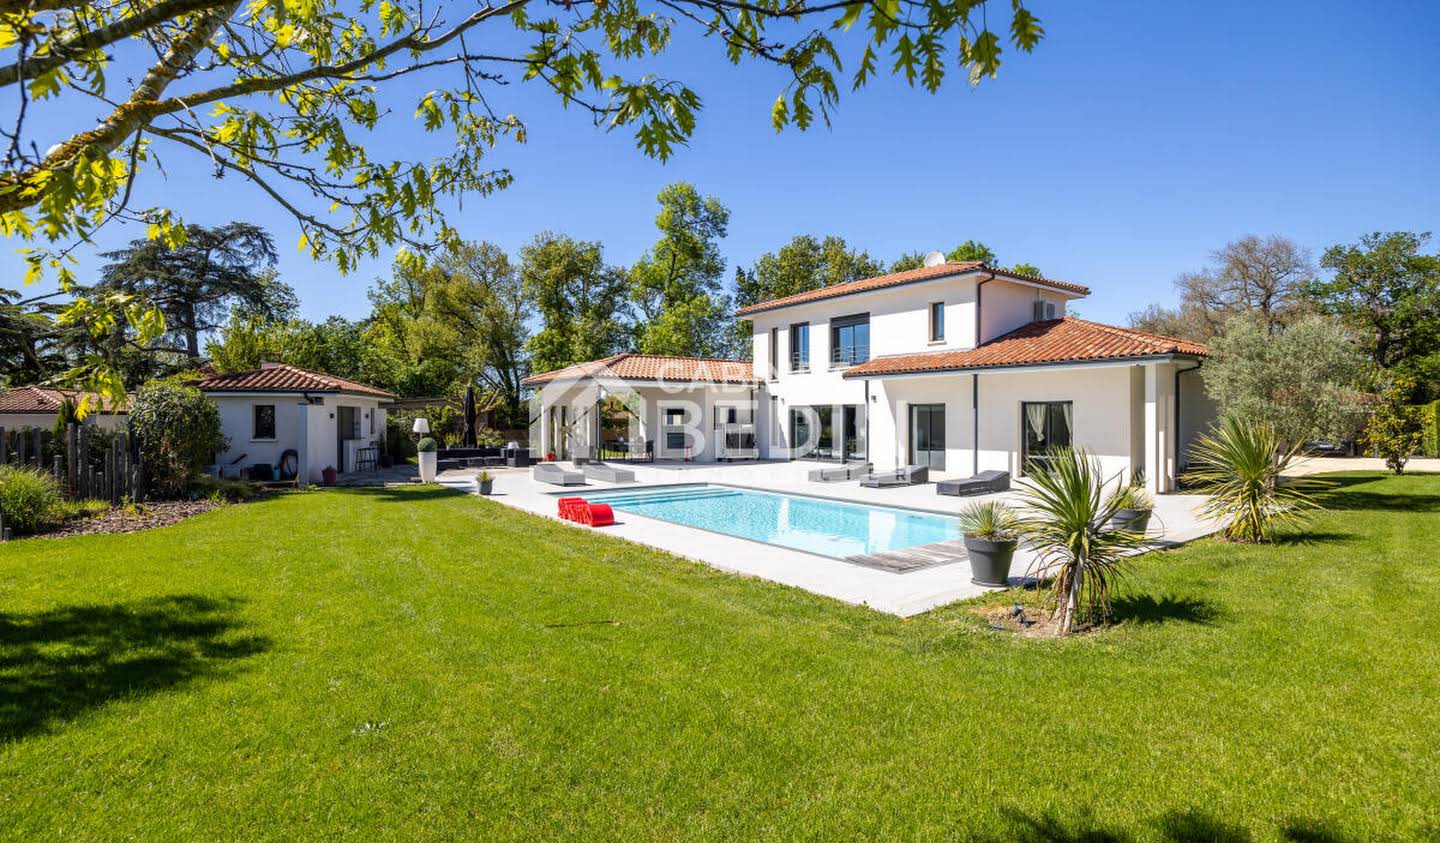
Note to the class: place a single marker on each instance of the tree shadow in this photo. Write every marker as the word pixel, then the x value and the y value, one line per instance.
pixel 1356 500
pixel 1300 538
pixel 1147 609
pixel 1188 826
pixel 58 664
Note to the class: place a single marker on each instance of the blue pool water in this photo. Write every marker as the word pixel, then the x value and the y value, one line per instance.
pixel 815 525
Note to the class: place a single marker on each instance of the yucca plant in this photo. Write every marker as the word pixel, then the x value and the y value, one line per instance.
pixel 1067 522
pixel 1239 465
pixel 988 520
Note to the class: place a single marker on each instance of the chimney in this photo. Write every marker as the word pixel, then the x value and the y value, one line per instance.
pixel 268 362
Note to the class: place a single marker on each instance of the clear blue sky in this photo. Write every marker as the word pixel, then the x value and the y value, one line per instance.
pixel 1135 140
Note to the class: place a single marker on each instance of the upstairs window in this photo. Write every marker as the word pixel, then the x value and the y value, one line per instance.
pixel 937 321
pixel 850 340
pixel 800 347
pixel 774 353
pixel 264 421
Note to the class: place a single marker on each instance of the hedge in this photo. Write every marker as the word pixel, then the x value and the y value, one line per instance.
pixel 1430 440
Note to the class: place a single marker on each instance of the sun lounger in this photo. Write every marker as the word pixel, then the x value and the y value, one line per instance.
pixel 848 471
pixel 609 473
pixel 549 472
pixel 984 483
pixel 909 475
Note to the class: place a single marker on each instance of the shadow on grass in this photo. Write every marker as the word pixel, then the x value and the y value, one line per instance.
pixel 1190 826
pixel 1147 609
pixel 400 494
pixel 1354 500
pixel 58 664
pixel 1301 538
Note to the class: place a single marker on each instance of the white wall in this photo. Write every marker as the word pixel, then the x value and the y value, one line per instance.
pixel 1006 305
pixel 309 429
pixel 1198 411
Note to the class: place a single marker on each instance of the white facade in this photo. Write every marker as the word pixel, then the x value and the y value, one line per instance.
pixel 1122 411
pixel 307 423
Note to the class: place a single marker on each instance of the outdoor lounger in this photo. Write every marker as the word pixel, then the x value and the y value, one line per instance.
pixel 984 483
pixel 549 472
pixel 848 471
pixel 909 475
pixel 609 473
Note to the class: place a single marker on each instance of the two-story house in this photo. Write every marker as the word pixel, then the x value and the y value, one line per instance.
pixel 954 365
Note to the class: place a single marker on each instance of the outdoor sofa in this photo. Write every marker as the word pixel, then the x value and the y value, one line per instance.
pixel 609 473
pixel 848 471
pixel 984 483
pixel 908 475
pixel 552 473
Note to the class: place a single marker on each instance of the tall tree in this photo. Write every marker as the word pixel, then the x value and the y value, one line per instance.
pixel 282 93
pixel 1266 277
pixel 1305 379
pixel 196 283
pixel 805 263
pixel 676 285
pixel 476 306
pixel 1185 322
pixel 33 347
pixel 970 250
pixel 1388 292
pixel 580 300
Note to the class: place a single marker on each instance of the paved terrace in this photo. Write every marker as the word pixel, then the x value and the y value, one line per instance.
pixel 906 593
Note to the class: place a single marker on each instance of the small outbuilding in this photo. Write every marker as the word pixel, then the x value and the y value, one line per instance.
pixel 298 421
pixel 36 407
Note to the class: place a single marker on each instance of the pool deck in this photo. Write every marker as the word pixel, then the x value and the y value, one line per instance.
pixel 904 593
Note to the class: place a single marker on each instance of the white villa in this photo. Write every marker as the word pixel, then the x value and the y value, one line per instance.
pixel 957 366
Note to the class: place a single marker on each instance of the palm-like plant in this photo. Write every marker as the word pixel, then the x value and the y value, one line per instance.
pixel 1067 522
pixel 989 520
pixel 1239 465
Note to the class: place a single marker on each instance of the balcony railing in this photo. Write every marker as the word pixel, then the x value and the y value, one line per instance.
pixel 799 362
pixel 849 355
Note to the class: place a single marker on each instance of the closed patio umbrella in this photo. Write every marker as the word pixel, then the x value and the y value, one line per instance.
pixel 470 416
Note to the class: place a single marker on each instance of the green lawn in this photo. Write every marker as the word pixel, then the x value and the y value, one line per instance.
pixel 412 664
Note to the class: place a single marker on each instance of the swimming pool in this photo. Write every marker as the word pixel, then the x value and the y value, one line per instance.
pixel 815 525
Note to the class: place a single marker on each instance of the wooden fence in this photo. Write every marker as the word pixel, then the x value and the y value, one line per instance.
pixel 89 464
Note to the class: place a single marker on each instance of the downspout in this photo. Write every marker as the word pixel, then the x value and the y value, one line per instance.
pixel 867 420
pixel 975 385
pixel 1178 373
pixel 975 422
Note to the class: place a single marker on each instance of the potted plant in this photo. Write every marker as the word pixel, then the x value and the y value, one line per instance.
pixel 1133 506
pixel 426 449
pixel 990 540
pixel 485 482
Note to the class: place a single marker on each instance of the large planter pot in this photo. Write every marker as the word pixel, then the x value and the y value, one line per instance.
pixel 485 486
pixel 427 466
pixel 990 561
pixel 1134 520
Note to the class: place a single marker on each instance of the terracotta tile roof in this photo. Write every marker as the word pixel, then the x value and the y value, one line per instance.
pixel 909 276
pixel 1067 340
pixel 654 367
pixel 41 399
pixel 285 379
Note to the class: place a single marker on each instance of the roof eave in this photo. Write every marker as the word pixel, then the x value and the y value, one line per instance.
pixel 780 304
pixel 1107 362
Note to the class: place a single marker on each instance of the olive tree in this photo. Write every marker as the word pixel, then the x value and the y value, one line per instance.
pixel 1305 380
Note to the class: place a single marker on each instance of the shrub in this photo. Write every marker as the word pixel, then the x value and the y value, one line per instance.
pixel 1067 523
pixel 1240 466
pixel 988 520
pixel 180 433
pixel 217 489
pixel 1395 429
pixel 426 445
pixel 1430 429
pixel 28 498
pixel 1133 497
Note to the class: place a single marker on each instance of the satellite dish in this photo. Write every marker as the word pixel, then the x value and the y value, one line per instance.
pixel 934 258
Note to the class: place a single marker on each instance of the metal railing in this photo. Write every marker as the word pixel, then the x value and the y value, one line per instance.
pixel 849 355
pixel 800 361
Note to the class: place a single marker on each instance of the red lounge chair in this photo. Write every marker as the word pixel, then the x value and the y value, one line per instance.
pixel 599 515
pixel 570 508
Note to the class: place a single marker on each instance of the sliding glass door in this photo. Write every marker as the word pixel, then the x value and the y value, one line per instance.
pixel 927 435
pixel 827 432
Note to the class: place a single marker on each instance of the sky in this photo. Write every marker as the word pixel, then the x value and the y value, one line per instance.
pixel 1138 138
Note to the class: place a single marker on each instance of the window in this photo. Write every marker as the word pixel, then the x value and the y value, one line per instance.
pixel 937 321
pixel 850 340
pixel 800 347
pixel 733 414
pixel 774 353
pixel 1047 429
pixel 370 417
pixel 674 415
pixel 264 421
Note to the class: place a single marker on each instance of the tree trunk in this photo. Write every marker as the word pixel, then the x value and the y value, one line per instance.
pixel 1072 597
